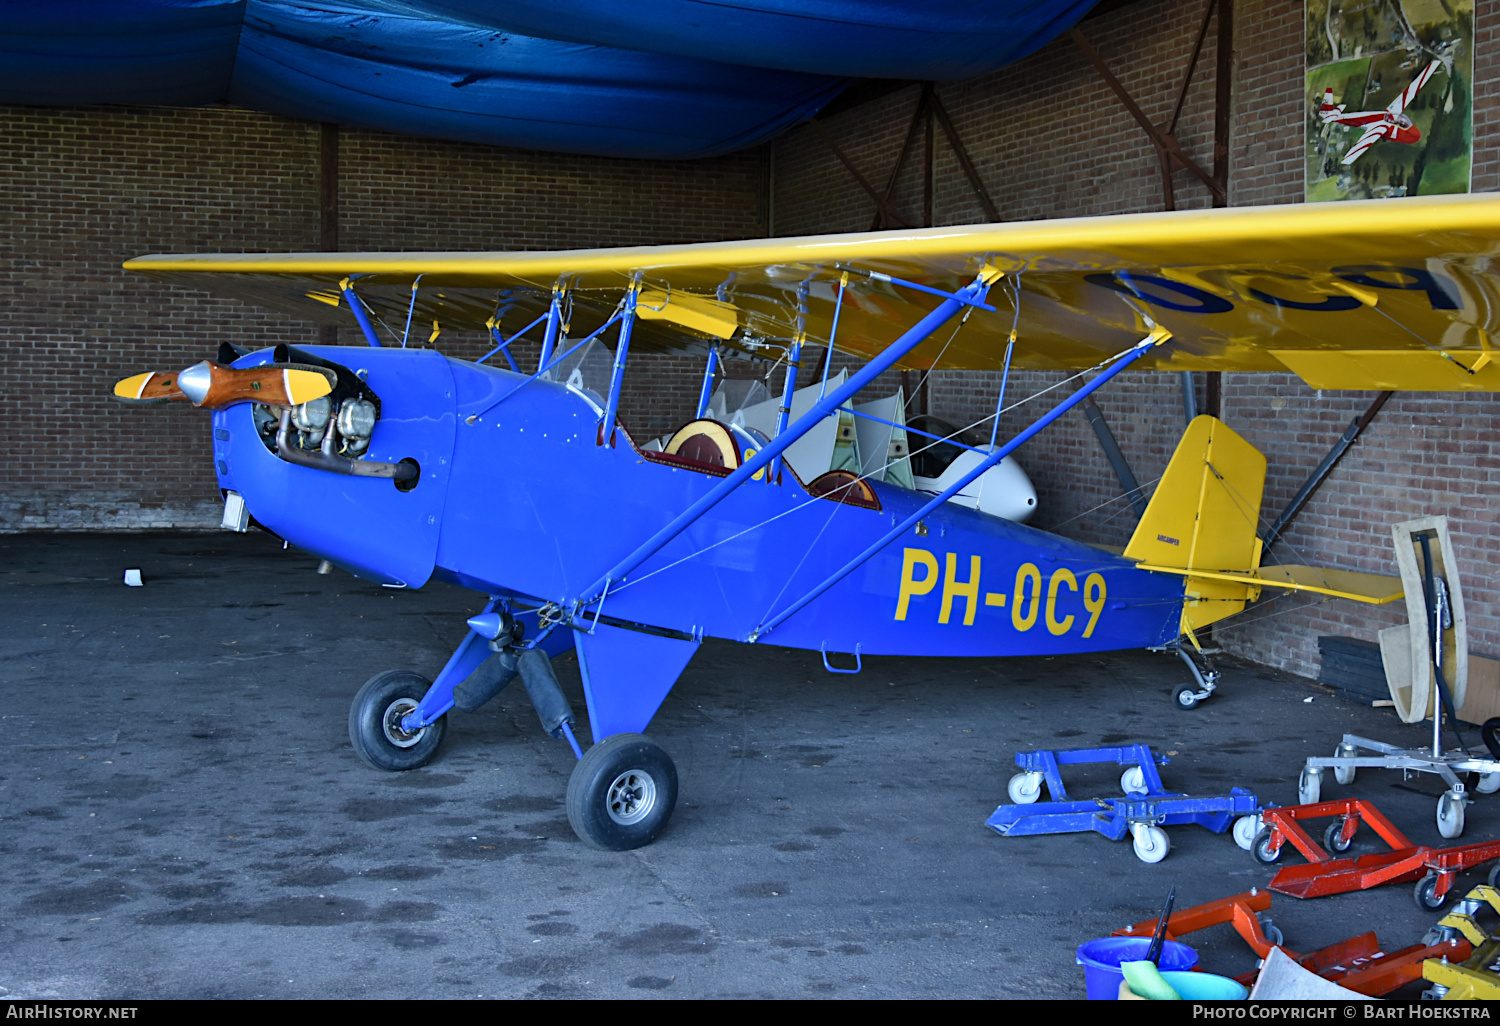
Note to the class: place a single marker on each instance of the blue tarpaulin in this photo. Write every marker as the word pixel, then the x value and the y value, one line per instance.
pixel 577 76
pixel 917 39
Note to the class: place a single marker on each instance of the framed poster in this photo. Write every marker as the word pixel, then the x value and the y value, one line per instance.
pixel 1389 98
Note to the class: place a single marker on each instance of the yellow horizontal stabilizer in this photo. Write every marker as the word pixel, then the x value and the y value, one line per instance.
pixel 1373 589
pixel 1386 370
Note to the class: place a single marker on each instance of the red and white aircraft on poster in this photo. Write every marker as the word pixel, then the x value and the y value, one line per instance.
pixel 1391 123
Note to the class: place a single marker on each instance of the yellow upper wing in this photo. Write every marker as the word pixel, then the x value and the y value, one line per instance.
pixel 1363 295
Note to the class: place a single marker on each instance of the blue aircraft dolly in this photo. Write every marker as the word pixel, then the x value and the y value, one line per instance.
pixel 1145 809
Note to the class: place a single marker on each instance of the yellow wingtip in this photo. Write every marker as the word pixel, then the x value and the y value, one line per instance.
pixel 304 386
pixel 133 386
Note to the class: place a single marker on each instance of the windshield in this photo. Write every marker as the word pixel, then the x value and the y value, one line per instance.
pixel 930 458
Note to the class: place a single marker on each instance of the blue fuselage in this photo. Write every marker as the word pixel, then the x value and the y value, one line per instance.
pixel 525 503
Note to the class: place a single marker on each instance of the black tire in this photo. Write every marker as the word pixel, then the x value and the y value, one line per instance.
pixel 622 793
pixel 1426 894
pixel 1494 878
pixel 1185 697
pixel 1261 851
pixel 374 722
pixel 1331 837
pixel 1489 733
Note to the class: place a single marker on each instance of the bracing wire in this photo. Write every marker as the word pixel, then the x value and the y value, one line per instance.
pixel 862 477
pixel 939 358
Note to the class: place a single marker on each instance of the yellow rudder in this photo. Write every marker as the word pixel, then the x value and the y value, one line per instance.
pixel 1204 516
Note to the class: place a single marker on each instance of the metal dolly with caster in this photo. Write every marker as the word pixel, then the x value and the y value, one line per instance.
pixel 1146 807
pixel 1438 608
pixel 1450 808
pixel 1358 963
pixel 1433 869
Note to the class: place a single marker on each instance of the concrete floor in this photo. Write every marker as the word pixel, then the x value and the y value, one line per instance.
pixel 183 816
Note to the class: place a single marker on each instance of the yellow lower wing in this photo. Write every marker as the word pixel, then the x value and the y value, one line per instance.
pixel 1374 589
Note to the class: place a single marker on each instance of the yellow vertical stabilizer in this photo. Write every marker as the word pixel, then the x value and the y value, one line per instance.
pixel 1204 517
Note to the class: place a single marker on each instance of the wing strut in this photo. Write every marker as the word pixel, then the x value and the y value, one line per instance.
pixel 617 373
pixel 357 306
pixel 915 336
pixel 1141 348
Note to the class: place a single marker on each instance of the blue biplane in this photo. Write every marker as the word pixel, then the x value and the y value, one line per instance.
pixel 402 465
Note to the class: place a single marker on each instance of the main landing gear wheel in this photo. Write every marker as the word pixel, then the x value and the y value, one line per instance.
pixel 1262 851
pixel 1024 788
pixel 1150 843
pixel 1426 894
pixel 1309 785
pixel 1450 814
pixel 621 793
pixel 375 722
pixel 1246 830
pixel 1185 696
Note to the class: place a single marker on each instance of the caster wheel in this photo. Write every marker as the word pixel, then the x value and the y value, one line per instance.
pixel 1309 785
pixel 375 722
pixel 1344 774
pixel 1185 697
pixel 1151 844
pixel 1450 814
pixel 1333 837
pixel 1133 781
pixel 622 793
pixel 1246 829
pixel 1494 878
pixel 1273 932
pixel 1426 894
pixel 1489 783
pixel 1024 788
pixel 1262 851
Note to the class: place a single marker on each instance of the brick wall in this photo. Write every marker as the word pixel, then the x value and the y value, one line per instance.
pixel 88 188
pixel 1050 140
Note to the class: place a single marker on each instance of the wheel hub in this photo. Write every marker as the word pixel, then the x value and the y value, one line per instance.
pixel 391 723
pixel 631 797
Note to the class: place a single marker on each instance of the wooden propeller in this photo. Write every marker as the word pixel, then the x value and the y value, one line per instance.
pixel 213 386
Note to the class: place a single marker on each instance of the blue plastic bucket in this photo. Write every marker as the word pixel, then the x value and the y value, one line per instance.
pixel 1101 962
pixel 1205 987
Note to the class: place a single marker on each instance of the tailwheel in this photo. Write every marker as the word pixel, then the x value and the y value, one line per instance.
pixel 1185 696
pixel 622 793
pixel 375 722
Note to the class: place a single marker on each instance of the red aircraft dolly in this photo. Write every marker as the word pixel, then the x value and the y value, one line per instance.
pixel 1432 868
pixel 1357 963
